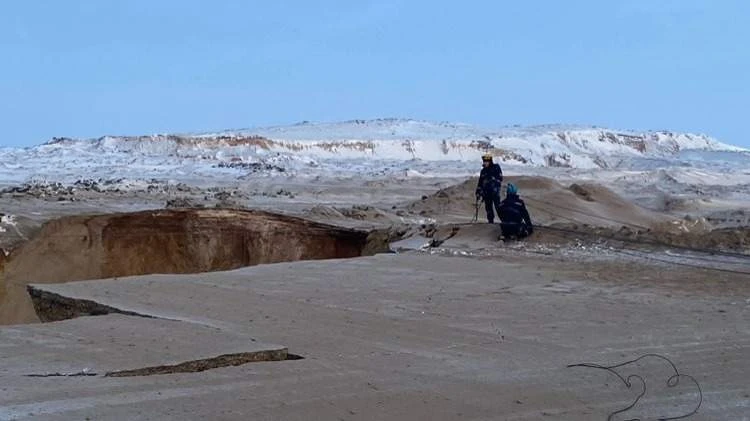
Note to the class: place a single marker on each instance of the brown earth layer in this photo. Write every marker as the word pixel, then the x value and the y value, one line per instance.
pixel 166 241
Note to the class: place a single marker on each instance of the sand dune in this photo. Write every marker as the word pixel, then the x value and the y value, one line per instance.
pixel 548 201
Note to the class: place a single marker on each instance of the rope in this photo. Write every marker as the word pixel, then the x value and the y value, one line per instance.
pixel 672 381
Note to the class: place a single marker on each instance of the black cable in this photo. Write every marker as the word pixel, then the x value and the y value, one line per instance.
pixel 672 381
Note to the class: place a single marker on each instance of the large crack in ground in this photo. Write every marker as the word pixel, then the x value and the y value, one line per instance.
pixel 195 366
pixel 166 241
pixel 51 307
pixel 192 366
pixel 170 241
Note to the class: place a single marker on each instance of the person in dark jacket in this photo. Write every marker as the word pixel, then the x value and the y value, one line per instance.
pixel 488 188
pixel 515 219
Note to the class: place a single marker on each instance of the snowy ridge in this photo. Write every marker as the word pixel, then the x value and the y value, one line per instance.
pixel 394 139
pixel 366 147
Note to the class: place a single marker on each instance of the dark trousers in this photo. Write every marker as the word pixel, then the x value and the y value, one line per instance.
pixel 514 230
pixel 491 200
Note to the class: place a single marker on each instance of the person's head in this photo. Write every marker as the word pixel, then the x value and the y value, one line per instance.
pixel 511 190
pixel 486 159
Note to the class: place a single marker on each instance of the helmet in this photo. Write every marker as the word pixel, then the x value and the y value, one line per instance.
pixel 511 189
pixel 487 157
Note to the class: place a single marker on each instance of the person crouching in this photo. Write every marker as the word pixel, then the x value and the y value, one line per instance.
pixel 515 220
pixel 488 188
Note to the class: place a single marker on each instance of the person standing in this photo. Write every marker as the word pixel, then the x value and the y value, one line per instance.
pixel 488 188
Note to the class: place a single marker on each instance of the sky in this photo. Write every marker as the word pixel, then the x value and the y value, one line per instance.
pixel 87 68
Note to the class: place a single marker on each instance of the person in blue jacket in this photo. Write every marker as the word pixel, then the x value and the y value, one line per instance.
pixel 488 188
pixel 515 219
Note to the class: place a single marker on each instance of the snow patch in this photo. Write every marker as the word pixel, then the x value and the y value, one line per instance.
pixel 366 148
pixel 8 220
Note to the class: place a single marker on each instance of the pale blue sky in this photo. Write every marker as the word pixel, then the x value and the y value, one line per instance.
pixel 86 68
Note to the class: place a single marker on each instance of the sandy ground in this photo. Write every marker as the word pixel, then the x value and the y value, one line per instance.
pixel 455 325
pixel 410 336
pixel 606 193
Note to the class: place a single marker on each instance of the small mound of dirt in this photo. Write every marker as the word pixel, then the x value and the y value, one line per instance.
pixel 328 212
pixel 697 226
pixel 363 213
pixel 183 203
pixel 736 240
pixel 581 192
pixel 726 239
pixel 667 203
pixel 456 201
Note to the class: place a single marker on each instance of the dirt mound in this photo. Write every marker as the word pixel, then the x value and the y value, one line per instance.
pixel 363 213
pixel 183 203
pixel 581 192
pixel 323 211
pixel 732 240
pixel 165 241
pixel 451 202
pixel 548 202
pixel 726 239
pixel 678 205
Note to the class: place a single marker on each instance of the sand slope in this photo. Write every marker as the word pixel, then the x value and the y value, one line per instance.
pixel 548 202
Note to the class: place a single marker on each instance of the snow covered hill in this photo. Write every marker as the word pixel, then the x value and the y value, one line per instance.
pixel 359 146
pixel 577 147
